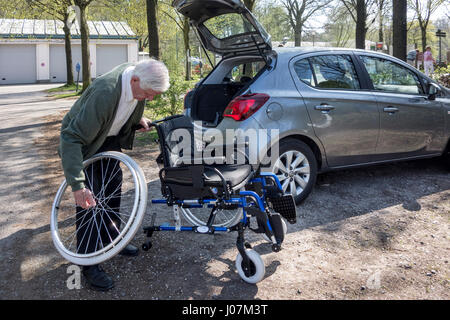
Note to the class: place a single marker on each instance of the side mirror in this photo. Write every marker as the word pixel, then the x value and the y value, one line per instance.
pixel 433 90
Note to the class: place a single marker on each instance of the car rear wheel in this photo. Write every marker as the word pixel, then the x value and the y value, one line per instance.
pixel 296 168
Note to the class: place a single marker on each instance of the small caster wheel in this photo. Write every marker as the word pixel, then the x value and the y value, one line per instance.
pixel 147 245
pixel 256 270
pixel 276 248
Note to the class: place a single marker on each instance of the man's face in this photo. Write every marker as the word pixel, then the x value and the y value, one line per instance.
pixel 139 93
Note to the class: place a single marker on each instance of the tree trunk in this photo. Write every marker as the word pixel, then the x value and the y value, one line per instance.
pixel 85 56
pixel 153 33
pixel 361 16
pixel 298 36
pixel 68 48
pixel 187 48
pixel 424 38
pixel 381 23
pixel 399 32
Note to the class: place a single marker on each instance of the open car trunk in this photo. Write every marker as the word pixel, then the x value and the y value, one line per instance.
pixel 228 29
pixel 231 78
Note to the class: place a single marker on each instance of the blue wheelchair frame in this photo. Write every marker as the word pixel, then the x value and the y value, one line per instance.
pixel 241 201
pixel 258 207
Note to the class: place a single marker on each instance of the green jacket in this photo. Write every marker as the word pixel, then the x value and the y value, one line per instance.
pixel 85 127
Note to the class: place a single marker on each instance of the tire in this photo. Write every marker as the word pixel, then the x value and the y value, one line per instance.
pixel 283 222
pixel 133 202
pixel 302 175
pixel 446 160
pixel 258 268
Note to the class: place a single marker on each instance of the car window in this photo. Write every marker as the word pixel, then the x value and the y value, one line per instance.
pixel 328 72
pixel 227 25
pixel 244 72
pixel 391 77
pixel 303 70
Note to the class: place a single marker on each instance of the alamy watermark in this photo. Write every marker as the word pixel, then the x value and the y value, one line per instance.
pixel 74 279
pixel 215 147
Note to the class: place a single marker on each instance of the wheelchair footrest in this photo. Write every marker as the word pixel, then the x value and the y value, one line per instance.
pixel 285 206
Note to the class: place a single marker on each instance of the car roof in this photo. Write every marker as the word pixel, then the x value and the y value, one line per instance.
pixel 290 52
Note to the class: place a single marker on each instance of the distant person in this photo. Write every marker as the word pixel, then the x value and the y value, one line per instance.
pixel 419 59
pixel 428 61
pixel 411 57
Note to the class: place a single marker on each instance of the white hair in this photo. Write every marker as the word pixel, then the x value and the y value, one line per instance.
pixel 153 74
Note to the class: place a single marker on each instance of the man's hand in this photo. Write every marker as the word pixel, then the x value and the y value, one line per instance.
pixel 84 198
pixel 144 123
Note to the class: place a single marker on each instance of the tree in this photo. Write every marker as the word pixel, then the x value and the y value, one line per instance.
pixel 118 10
pixel 359 11
pixel 84 34
pixel 59 10
pixel 424 9
pixel 274 19
pixel 339 31
pixel 153 33
pixel 183 23
pixel 399 31
pixel 299 11
pixel 382 8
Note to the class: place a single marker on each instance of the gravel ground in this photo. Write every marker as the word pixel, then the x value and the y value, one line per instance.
pixel 380 232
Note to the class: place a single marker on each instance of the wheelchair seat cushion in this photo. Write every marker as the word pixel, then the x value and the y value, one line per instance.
pixel 233 174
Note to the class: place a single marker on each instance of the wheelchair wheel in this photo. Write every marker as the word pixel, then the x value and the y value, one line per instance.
pixel 257 267
pixel 283 222
pixel 92 236
pixel 200 216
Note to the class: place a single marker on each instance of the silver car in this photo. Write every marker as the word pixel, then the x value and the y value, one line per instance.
pixel 333 107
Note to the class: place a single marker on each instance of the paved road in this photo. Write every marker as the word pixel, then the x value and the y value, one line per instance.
pixel 22 108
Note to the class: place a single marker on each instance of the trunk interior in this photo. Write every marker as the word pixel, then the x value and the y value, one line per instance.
pixel 229 79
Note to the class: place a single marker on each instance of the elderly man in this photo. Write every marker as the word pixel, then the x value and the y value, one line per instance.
pixel 102 119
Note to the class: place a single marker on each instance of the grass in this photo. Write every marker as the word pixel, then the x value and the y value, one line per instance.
pixel 146 138
pixel 65 91
pixel 65 87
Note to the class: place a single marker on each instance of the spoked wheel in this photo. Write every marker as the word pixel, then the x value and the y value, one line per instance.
pixel 256 270
pixel 223 218
pixel 88 237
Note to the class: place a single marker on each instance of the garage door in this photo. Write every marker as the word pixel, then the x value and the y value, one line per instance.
pixel 17 63
pixel 58 63
pixel 110 56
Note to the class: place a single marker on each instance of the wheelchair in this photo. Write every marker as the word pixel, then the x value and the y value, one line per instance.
pixel 218 198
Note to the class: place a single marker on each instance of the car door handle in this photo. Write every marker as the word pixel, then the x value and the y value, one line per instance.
pixel 324 107
pixel 390 109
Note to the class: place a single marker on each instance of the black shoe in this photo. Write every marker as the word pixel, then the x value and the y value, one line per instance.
pixel 130 251
pixel 97 278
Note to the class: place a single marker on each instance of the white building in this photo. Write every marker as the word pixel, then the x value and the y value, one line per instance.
pixel 33 50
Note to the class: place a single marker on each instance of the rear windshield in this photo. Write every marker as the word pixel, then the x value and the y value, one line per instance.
pixel 228 25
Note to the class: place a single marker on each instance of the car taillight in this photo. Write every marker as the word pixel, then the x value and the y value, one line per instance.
pixel 242 107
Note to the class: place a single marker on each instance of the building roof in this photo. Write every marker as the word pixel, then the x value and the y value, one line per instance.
pixel 53 29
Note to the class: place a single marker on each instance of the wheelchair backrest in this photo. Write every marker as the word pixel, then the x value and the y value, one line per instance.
pixel 171 134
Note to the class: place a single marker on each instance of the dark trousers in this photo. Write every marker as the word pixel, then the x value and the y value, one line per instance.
pixel 99 226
